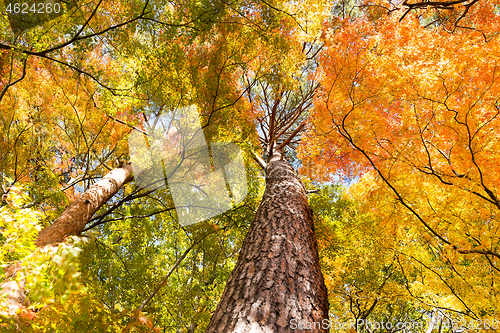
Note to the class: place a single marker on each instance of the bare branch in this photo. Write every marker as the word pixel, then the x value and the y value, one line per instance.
pixel 259 160
pixel 294 133
pixel 124 123
pixel 10 83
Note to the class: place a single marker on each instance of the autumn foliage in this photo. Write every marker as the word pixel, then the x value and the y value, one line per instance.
pixel 413 111
pixel 399 104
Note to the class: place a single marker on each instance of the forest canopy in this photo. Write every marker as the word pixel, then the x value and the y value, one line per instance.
pixel 368 133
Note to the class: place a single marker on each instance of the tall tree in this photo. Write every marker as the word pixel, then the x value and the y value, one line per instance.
pixel 277 282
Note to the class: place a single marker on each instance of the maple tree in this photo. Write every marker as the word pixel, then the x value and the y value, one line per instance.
pixel 413 111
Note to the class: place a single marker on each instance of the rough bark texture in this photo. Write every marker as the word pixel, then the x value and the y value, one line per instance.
pixel 276 283
pixel 74 218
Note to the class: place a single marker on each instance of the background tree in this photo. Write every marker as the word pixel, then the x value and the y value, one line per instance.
pixel 366 287
pixel 418 124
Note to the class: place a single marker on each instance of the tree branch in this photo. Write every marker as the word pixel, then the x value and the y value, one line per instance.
pixel 259 160
pixel 294 133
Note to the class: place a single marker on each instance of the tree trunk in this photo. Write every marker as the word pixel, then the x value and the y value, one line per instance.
pixel 276 285
pixel 71 222
pixel 74 218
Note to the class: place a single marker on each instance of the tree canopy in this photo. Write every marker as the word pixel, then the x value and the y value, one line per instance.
pixel 388 109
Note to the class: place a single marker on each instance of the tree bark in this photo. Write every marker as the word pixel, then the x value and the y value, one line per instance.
pixel 71 222
pixel 74 218
pixel 276 285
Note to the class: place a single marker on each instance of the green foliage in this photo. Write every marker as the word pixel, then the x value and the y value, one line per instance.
pixel 18 228
pixel 50 276
pixel 128 258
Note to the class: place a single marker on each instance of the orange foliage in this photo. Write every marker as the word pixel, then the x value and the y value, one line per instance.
pixel 418 108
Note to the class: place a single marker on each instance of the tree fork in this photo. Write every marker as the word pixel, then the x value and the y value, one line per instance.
pixel 277 281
